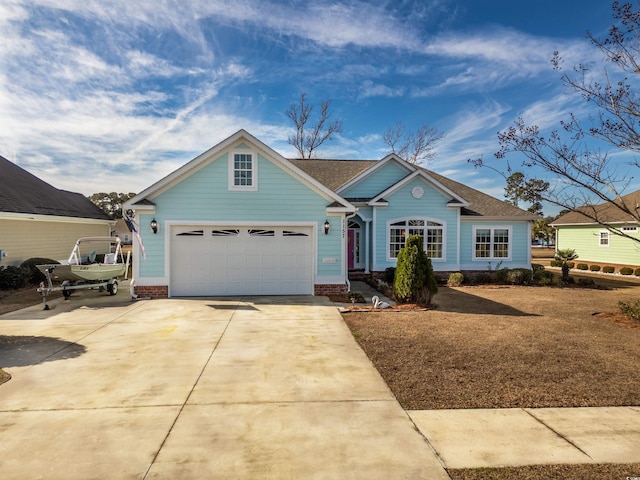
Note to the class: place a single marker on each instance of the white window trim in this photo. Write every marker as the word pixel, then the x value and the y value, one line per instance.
pixel 492 228
pixel 426 227
pixel 608 236
pixel 254 171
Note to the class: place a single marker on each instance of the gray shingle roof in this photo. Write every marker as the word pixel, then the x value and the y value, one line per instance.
pixel 22 192
pixel 604 212
pixel 336 173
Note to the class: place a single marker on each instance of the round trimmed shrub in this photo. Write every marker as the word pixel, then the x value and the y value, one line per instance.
pixel 608 269
pixel 34 275
pixel 637 272
pixel 455 279
pixel 594 268
pixel 12 277
pixel 582 266
pixel 626 271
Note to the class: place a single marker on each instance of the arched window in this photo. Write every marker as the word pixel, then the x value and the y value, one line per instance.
pixel 431 232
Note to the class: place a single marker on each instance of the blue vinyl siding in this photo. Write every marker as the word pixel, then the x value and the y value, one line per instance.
pixel 519 243
pixel 204 196
pixel 377 182
pixel 433 206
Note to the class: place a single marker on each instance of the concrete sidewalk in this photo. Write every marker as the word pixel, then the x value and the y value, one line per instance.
pixel 267 388
pixel 532 436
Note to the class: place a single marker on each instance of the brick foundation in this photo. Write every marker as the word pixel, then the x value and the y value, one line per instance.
pixel 153 291
pixel 328 290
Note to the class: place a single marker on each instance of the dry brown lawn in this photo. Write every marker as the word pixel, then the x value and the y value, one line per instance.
pixel 503 347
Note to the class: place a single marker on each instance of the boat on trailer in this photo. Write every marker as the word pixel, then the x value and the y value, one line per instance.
pixel 94 262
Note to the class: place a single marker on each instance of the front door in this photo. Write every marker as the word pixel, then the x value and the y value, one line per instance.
pixel 350 246
pixel 353 248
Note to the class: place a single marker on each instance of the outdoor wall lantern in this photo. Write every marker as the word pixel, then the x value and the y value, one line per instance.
pixel 327 226
pixel 154 226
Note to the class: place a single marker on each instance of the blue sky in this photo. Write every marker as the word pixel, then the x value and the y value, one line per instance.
pixel 114 95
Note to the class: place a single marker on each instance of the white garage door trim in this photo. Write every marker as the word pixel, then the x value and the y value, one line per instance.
pixel 254 258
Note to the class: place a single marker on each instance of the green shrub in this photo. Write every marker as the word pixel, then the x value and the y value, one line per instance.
pixel 630 309
pixel 586 282
pixel 482 278
pixel 35 276
pixel 608 269
pixel 356 297
pixel 571 264
pixel 536 267
pixel 594 268
pixel 582 266
pixel 414 280
pixel 636 272
pixel 390 275
pixel 514 276
pixel 626 271
pixel 555 263
pixel 455 279
pixel 547 279
pixel 12 277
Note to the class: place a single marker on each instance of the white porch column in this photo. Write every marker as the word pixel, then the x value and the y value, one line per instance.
pixel 366 245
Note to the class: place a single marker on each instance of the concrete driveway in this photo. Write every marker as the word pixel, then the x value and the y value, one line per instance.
pixel 268 387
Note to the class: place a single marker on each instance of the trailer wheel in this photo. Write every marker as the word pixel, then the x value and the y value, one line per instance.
pixel 112 288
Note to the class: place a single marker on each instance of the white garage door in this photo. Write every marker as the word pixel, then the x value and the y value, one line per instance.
pixel 209 261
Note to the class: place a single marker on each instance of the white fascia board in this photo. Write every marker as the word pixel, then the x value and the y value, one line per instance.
pixel 381 163
pixel 30 217
pixel 341 209
pixel 464 218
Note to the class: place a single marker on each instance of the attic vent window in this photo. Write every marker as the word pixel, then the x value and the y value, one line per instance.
pixel 243 172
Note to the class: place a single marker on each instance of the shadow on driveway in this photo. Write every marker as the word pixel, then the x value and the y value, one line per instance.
pixel 22 351
pixel 457 301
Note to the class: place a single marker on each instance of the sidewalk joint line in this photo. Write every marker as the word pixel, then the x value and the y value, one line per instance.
pixel 566 439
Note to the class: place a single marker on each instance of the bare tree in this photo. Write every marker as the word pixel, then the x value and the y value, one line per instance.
pixel 588 176
pixel 309 137
pixel 414 147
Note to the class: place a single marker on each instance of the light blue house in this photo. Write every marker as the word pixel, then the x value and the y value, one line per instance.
pixel 240 219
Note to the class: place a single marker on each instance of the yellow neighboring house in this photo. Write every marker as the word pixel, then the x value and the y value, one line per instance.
pixel 39 220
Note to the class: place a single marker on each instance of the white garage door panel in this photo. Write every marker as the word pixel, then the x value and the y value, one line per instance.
pixel 241 261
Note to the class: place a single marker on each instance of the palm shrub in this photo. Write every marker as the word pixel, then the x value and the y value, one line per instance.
pixel 565 256
pixel 414 280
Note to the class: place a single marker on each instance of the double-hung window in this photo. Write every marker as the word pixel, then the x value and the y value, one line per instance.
pixel 431 232
pixel 604 238
pixel 492 243
pixel 243 171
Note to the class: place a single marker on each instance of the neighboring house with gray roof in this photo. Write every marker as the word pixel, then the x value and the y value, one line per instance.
pixel 584 231
pixel 39 220
pixel 240 219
